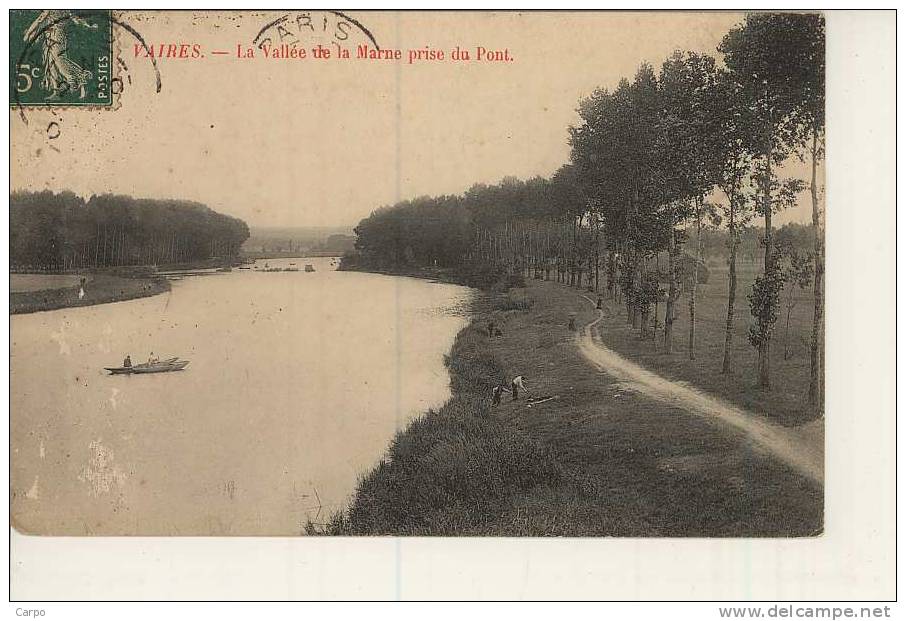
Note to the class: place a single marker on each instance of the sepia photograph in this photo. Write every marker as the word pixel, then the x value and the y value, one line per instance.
pixel 351 277
pixel 307 307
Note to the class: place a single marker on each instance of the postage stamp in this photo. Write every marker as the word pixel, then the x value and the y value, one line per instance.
pixel 60 57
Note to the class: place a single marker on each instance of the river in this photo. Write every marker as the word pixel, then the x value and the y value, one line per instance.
pixel 296 385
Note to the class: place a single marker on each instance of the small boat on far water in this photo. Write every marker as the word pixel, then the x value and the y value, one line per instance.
pixel 162 366
pixel 309 267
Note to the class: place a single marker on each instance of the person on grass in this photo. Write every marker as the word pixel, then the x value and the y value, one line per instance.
pixel 497 394
pixel 516 385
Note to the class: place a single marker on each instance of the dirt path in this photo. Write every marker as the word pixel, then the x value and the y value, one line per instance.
pixel 801 448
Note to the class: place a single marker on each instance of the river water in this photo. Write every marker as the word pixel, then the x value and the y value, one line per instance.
pixel 296 385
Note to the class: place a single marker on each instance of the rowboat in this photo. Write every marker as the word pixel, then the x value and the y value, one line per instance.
pixel 162 366
pixel 179 365
pixel 309 268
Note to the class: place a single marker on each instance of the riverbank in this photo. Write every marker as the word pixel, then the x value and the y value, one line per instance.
pixel 477 276
pixel 99 288
pixel 597 459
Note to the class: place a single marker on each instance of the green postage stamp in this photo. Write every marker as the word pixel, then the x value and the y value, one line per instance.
pixel 60 57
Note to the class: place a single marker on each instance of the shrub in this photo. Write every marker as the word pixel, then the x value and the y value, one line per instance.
pixel 510 303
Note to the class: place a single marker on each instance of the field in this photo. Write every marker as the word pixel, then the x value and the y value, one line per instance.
pixel 786 402
pixel 38 292
pixel 19 283
pixel 594 460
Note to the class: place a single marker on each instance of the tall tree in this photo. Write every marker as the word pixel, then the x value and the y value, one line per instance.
pixel 600 158
pixel 757 54
pixel 730 149
pixel 810 112
pixel 689 170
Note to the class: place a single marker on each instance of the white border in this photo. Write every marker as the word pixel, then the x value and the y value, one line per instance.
pixel 853 560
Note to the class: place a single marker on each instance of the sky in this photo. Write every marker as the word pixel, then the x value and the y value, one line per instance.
pixel 323 142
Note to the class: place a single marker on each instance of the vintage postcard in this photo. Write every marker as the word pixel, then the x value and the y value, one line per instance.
pixel 522 274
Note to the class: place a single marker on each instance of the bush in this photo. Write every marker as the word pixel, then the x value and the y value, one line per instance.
pixel 489 277
pixel 514 280
pixel 480 275
pixel 510 303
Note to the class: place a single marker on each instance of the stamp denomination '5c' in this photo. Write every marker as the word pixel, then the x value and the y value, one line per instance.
pixel 61 58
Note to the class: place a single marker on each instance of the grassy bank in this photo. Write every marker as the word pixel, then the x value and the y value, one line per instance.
pixel 475 275
pixel 596 460
pixel 99 288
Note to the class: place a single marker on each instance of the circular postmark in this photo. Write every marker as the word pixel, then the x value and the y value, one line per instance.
pixel 324 27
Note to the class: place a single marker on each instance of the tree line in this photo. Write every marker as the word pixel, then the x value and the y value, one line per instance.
pixel 62 231
pixel 694 145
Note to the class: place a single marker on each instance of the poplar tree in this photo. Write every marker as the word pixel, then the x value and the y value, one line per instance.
pixel 758 55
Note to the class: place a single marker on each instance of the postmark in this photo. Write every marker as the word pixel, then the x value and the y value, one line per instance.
pixel 61 58
pixel 327 27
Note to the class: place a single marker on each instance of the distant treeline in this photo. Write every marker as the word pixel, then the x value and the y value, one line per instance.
pixel 423 231
pixel 58 232
pixel 508 222
pixel 533 222
pixel 716 241
pixel 297 242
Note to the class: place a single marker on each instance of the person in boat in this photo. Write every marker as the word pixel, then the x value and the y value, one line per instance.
pixel 127 363
pixel 152 359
